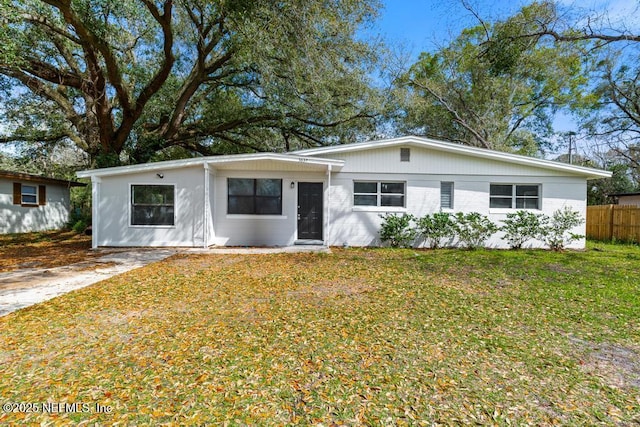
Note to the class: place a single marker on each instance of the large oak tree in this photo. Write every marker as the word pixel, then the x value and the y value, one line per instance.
pixel 126 80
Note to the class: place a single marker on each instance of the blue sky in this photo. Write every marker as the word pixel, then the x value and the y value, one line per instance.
pixel 423 25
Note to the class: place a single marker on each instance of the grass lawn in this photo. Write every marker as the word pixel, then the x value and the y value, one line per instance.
pixel 43 249
pixel 373 337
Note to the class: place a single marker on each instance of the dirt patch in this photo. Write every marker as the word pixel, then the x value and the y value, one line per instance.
pixel 559 268
pixel 616 365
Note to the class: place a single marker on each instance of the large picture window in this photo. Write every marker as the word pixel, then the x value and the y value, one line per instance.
pixel 152 205
pixel 372 193
pixel 514 196
pixel 251 196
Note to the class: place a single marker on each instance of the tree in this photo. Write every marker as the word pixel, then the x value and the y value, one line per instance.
pixel 614 116
pixel 134 78
pixel 468 93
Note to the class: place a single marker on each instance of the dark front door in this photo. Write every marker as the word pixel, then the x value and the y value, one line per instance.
pixel 310 210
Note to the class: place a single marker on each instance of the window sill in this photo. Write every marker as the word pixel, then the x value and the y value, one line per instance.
pixel 379 209
pixel 249 216
pixel 29 205
pixel 151 226
pixel 511 210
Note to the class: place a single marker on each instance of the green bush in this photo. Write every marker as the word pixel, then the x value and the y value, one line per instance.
pixel 473 229
pixel 434 228
pixel 79 226
pixel 556 232
pixel 397 230
pixel 522 226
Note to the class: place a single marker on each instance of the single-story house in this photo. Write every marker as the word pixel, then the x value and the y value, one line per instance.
pixel 628 199
pixel 33 203
pixel 329 195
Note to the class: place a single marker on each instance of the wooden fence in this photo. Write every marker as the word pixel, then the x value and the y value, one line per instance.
pixel 609 222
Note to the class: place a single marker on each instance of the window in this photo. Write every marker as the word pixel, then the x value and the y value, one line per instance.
pixel 405 154
pixel 514 196
pixel 254 196
pixel 29 195
pixel 371 193
pixel 152 205
pixel 446 195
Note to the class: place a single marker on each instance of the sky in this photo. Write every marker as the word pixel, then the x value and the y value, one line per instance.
pixel 425 25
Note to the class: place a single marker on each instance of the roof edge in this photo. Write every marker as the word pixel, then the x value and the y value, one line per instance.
pixel 590 173
pixel 19 176
pixel 174 164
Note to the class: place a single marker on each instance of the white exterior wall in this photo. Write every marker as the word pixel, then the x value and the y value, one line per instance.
pixel 18 219
pixel 260 230
pixel 113 226
pixel 359 226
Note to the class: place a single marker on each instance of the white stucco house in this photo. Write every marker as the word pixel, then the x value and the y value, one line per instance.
pixel 330 195
pixel 33 203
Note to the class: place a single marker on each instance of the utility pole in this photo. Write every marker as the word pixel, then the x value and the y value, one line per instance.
pixel 570 134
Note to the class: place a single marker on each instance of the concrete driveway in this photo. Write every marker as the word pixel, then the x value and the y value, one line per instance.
pixel 22 288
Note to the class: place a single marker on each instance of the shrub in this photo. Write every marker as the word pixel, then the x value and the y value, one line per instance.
pixel 521 226
pixel 397 230
pixel 434 228
pixel 556 233
pixel 473 229
pixel 79 226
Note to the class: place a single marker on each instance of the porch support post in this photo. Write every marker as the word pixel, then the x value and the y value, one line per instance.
pixel 205 223
pixel 95 208
pixel 328 228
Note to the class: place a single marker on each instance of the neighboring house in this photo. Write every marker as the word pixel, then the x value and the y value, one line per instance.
pixel 33 203
pixel 330 195
pixel 629 199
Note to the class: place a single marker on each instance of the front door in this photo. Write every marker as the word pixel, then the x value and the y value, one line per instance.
pixel 310 210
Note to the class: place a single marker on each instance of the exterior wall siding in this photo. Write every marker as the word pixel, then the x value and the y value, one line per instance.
pixel 424 161
pixel 259 230
pixel 18 219
pixel 114 224
pixel 359 226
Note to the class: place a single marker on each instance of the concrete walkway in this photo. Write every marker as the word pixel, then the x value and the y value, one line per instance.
pixel 22 288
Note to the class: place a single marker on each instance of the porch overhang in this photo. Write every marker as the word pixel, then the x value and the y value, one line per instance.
pixel 274 162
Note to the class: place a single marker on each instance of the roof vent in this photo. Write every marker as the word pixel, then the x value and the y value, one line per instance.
pixel 405 154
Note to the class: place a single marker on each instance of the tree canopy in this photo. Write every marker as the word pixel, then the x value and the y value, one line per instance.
pixel 134 79
pixel 500 98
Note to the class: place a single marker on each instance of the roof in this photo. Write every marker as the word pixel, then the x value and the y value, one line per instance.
pixel 304 161
pixel 416 141
pixel 18 176
pixel 309 158
pixel 625 194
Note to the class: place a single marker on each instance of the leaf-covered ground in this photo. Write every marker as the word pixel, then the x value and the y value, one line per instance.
pixel 356 337
pixel 43 250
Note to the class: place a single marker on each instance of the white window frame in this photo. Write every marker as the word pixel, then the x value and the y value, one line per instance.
pixel 378 207
pixel 257 215
pixel 22 194
pixel 175 205
pixel 514 196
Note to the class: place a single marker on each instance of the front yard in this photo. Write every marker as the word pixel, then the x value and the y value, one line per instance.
pixel 44 249
pixel 374 337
